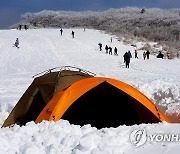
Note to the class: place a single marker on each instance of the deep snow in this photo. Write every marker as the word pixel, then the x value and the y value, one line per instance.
pixel 42 49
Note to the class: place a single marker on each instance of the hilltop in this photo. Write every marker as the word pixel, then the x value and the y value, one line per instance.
pixel 42 49
pixel 128 24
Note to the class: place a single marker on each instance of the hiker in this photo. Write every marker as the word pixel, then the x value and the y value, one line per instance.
pixel 106 48
pixel 160 55
pixel 129 54
pixel 20 26
pixel 110 51
pixel 16 43
pixel 177 55
pixel 100 46
pixel 115 51
pixel 135 52
pixel 126 59
pixel 144 55
pixel 25 27
pixel 111 39
pixel 72 34
pixel 61 31
pixel 168 55
pixel 147 54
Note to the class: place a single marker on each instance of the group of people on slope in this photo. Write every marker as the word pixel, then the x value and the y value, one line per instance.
pixel 72 33
pixel 21 26
pixel 108 49
pixel 146 54
pixel 127 56
pixel 16 44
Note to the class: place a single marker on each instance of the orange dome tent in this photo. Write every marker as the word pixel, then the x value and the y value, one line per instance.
pixel 101 102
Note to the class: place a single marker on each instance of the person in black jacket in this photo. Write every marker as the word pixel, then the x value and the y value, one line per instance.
pixel 115 51
pixel 25 27
pixel 100 46
pixel 16 44
pixel 61 31
pixel 106 48
pixel 72 34
pixel 126 59
pixel 160 55
pixel 110 50
pixel 136 54
pixel 147 54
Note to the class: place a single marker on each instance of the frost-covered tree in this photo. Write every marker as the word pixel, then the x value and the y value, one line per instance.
pixel 153 24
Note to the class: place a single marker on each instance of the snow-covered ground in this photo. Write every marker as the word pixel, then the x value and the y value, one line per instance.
pixel 42 49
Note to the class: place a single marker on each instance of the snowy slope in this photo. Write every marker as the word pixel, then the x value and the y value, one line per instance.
pixel 41 49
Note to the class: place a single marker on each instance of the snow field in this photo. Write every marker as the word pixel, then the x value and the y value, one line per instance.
pixel 42 49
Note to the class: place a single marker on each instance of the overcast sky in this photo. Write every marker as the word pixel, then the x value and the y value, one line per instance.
pixel 11 10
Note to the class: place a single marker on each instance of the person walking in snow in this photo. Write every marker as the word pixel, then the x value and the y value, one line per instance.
pixel 20 27
pixel 16 44
pixel 100 46
pixel 129 55
pixel 144 55
pixel 111 40
pixel 115 51
pixel 110 51
pixel 25 27
pixel 72 34
pixel 168 55
pixel 147 54
pixel 135 52
pixel 126 59
pixel 106 48
pixel 61 31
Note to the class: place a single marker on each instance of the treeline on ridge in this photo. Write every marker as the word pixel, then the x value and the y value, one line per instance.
pixel 153 24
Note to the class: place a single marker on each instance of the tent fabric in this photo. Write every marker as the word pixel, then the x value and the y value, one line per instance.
pixel 114 100
pixel 81 98
pixel 40 92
